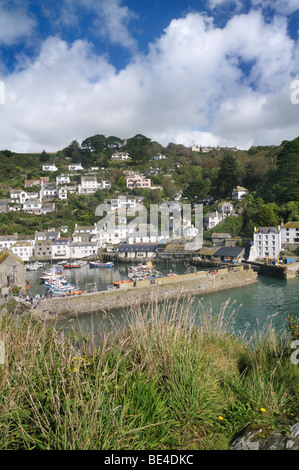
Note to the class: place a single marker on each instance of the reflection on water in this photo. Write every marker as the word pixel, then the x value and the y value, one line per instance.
pixel 251 306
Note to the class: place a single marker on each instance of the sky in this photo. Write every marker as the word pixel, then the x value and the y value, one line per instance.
pixel 191 72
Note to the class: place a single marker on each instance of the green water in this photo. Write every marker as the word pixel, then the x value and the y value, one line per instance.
pixel 252 306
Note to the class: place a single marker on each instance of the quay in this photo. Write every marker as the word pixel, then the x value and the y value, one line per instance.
pixel 288 271
pixel 144 291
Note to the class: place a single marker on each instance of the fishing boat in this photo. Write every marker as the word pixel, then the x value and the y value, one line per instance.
pixel 72 265
pixel 97 264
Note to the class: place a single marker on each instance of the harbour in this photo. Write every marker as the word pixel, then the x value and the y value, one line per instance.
pixel 254 302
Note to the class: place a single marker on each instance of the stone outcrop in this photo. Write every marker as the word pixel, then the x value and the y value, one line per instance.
pixel 258 439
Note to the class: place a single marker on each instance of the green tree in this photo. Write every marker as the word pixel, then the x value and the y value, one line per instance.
pixel 229 175
pixel 267 216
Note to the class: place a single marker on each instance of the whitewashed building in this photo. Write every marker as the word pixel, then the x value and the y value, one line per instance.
pixel 50 167
pixel 18 196
pixel 267 242
pixel 212 219
pixel 89 185
pixel 83 250
pixel 290 232
pixel 63 179
pixel 225 208
pixel 239 192
pixel 75 167
pixel 62 193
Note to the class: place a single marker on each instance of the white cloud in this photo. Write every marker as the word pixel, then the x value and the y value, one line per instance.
pixel 285 7
pixel 15 24
pixel 189 89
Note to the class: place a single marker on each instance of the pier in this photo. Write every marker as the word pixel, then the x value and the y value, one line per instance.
pixel 286 271
pixel 144 291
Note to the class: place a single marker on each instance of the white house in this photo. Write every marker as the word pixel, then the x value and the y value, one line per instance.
pixel 212 219
pixel 18 196
pixel 121 156
pixel 83 250
pixel 62 193
pixel 23 249
pixel 290 232
pixel 63 179
pixel 225 208
pixel 48 190
pixel 48 207
pixel 7 241
pixel 75 167
pixel 158 157
pixel 105 185
pixel 50 167
pixel 84 233
pixel 61 248
pixel 267 242
pixel 88 185
pixel 32 207
pixel 239 192
pixel 123 202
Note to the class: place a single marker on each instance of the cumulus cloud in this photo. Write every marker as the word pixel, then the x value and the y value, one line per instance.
pixel 199 84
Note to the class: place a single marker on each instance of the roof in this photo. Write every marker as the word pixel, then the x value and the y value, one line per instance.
pixel 294 224
pixel 5 254
pixel 240 188
pixel 221 235
pixel 267 230
pixel 138 247
pixel 231 251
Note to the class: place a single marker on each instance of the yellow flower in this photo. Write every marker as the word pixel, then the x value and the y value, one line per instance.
pixel 220 417
pixel 263 410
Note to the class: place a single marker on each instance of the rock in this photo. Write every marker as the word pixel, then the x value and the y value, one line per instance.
pixel 258 439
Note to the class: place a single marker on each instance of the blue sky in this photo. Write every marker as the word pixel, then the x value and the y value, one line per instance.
pixel 205 72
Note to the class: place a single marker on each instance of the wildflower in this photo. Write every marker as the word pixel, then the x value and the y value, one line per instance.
pixel 221 418
pixel 263 410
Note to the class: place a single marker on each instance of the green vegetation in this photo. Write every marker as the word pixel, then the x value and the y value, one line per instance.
pixel 165 381
pixel 270 173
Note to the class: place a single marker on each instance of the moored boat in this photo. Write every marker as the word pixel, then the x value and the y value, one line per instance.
pixel 97 264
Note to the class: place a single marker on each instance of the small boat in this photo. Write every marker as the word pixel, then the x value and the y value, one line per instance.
pixel 72 265
pixel 97 264
pixel 33 267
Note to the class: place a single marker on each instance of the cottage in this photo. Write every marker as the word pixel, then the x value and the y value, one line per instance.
pixel 61 248
pixel 290 232
pixel 3 206
pixel 63 179
pixel 12 271
pixel 225 208
pixel 120 156
pixel 23 250
pixel 62 193
pixel 89 185
pixel 212 219
pixel 83 250
pixel 18 196
pixel 48 190
pixel 50 167
pixel 239 192
pixel 75 167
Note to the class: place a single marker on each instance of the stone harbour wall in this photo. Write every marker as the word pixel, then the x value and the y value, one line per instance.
pixel 164 288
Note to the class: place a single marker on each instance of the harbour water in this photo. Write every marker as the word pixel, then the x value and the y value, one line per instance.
pixel 253 305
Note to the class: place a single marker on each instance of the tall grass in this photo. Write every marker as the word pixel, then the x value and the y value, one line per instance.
pixel 165 380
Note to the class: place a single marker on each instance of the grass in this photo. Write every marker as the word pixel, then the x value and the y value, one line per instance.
pixel 163 381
